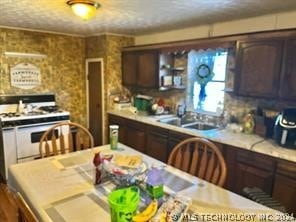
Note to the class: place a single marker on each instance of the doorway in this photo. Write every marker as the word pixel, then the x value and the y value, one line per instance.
pixel 95 99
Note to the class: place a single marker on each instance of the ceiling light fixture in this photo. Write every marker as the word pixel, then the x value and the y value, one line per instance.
pixel 85 9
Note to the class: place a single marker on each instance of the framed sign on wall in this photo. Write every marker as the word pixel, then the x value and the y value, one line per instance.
pixel 25 76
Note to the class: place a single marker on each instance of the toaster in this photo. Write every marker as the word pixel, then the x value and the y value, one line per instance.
pixel 285 128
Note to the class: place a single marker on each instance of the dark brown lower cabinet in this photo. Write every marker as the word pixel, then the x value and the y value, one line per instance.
pixel 284 189
pixel 135 135
pixel 122 129
pixel 248 176
pixel 253 170
pixel 157 143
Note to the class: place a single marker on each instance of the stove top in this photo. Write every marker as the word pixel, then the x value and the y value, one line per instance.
pixel 33 119
pixel 37 109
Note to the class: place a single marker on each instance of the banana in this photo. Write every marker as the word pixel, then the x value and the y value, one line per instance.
pixel 163 216
pixel 146 214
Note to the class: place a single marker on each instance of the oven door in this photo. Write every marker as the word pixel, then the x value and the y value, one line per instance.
pixel 27 138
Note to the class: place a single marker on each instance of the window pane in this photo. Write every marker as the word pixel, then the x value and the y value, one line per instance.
pixel 217 61
pixel 220 66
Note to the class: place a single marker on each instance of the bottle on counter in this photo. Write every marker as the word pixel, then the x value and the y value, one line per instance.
pixel 21 106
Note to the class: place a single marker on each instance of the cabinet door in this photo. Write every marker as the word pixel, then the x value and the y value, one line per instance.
pixel 122 129
pixel 129 68
pixel 252 170
pixel 136 136
pixel 284 189
pixel 258 68
pixel 148 66
pixel 288 80
pixel 157 143
pixel 248 176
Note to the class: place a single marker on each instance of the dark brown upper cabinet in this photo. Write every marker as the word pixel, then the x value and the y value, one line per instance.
pixel 129 68
pixel 140 68
pixel 258 67
pixel 288 77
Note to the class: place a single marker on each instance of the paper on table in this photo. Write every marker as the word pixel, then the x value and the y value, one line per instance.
pixel 131 161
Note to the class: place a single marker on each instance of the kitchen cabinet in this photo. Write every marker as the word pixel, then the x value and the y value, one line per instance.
pixel 252 170
pixel 288 78
pixel 284 189
pixel 131 133
pixel 140 68
pixel 258 67
pixel 157 143
pixel 129 68
pixel 135 135
pixel 115 120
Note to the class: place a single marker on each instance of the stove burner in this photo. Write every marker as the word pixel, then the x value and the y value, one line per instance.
pixel 10 114
pixel 50 109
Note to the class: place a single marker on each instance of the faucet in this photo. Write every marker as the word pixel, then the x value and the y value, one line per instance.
pixel 181 110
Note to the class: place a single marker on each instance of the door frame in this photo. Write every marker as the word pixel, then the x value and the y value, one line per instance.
pixel 102 93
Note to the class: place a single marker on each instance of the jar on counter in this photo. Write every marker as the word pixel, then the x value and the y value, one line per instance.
pixel 248 124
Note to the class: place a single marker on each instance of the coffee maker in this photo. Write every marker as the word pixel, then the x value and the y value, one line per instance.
pixel 285 128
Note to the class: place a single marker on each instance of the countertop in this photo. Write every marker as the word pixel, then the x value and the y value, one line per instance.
pixel 245 141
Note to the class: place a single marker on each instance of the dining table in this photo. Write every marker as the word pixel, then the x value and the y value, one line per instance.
pixel 61 188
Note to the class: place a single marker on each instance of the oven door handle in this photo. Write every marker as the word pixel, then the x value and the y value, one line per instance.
pixel 36 125
pixel 8 128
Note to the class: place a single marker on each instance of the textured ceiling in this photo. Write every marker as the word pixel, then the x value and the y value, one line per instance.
pixel 133 17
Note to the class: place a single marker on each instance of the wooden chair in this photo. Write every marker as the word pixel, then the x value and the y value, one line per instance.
pixel 65 137
pixel 16 204
pixel 25 214
pixel 201 158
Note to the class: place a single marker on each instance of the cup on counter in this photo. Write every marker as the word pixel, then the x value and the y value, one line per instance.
pixel 124 203
pixel 113 136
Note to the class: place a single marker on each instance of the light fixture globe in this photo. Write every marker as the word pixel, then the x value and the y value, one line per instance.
pixel 85 9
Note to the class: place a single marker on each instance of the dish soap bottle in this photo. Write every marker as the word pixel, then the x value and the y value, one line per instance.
pixel 154 184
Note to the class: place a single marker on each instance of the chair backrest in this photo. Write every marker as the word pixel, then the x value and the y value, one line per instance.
pixel 65 137
pixel 199 157
pixel 25 214
pixel 17 204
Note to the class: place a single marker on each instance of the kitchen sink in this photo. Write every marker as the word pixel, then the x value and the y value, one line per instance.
pixel 176 121
pixel 201 126
pixel 188 123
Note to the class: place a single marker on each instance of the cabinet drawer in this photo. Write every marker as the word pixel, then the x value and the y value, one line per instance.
pixel 116 120
pixel 136 125
pixel 158 131
pixel 255 159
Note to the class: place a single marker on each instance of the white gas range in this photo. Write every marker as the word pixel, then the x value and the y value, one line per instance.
pixel 21 132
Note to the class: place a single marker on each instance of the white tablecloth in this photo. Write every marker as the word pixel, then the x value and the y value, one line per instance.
pixel 61 188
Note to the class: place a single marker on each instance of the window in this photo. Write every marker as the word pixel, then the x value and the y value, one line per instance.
pixel 205 88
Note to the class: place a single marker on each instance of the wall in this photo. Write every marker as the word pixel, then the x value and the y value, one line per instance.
pixel 62 72
pixel 109 48
pixel 260 23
